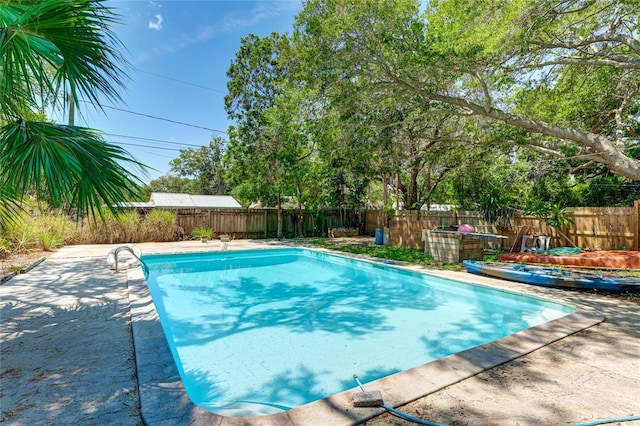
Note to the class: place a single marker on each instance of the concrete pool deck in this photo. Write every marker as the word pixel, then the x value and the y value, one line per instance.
pixel 67 357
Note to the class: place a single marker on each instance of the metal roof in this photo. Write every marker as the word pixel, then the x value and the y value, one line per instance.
pixel 187 201
pixel 134 204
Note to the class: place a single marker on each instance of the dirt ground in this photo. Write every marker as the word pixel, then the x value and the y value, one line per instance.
pixel 16 261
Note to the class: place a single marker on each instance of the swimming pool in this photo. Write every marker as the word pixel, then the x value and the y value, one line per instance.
pixel 259 332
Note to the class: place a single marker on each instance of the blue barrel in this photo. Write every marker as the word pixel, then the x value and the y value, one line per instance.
pixel 379 236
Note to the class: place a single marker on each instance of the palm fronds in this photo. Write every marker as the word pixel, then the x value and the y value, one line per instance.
pixel 74 166
pixel 46 48
pixel 49 46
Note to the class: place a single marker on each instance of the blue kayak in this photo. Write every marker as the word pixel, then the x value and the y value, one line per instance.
pixel 553 277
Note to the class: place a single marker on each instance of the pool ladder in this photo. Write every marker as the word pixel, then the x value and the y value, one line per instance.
pixel 145 268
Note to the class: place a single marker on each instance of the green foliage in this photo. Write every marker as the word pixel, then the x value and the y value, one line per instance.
pixel 38 230
pixel 129 227
pixel 449 23
pixel 576 99
pixel 497 207
pixel 344 175
pixel 5 247
pixel 269 149
pixel 10 205
pixel 444 99
pixel 605 190
pixel 489 178
pixel 112 229
pixel 389 211
pixel 85 57
pixel 522 63
pixel 558 217
pixel 55 230
pixel 169 183
pixel 48 240
pixel 47 48
pixel 362 129
pixel 200 232
pixel 552 183
pixel 255 82
pixel 199 171
pixel 20 234
pixel 71 165
pixel 160 225
pixel 553 214
pixel 43 229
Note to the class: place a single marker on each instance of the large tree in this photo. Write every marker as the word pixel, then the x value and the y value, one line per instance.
pixel 268 147
pixel 487 58
pixel 395 136
pixel 169 183
pixel 52 51
pixel 255 81
pixel 204 166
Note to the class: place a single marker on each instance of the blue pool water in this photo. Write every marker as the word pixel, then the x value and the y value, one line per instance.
pixel 262 331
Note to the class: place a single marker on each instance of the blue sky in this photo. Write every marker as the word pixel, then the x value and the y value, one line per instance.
pixel 180 51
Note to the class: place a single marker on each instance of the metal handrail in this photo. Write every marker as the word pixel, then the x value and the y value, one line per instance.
pixel 130 250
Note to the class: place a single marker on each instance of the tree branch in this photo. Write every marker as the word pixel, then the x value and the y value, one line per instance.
pixel 485 91
pixel 628 64
pixel 607 149
pixel 628 41
pixel 583 166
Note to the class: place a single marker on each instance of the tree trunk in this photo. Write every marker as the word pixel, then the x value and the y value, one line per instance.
pixel 412 191
pixel 279 211
pixel 385 199
pixel 398 191
pixel 300 215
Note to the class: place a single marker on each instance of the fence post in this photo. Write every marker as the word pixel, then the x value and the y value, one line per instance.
pixel 636 227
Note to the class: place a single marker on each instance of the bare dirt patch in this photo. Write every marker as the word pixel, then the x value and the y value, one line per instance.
pixel 16 261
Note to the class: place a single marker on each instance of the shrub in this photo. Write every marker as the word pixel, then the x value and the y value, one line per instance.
pixel 160 225
pixel 130 225
pixel 198 232
pixel 37 229
pixel 48 240
pixel 54 230
pixel 125 228
pixel 20 233
pixel 5 247
pixel 105 231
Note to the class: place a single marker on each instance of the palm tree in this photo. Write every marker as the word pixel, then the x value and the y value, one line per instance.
pixel 49 48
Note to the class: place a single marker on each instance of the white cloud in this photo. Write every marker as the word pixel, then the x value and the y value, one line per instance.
pixel 158 24
pixel 154 4
pixel 226 24
pixel 261 12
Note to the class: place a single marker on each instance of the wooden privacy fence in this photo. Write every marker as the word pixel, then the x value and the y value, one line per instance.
pixel 263 223
pixel 408 233
pixel 597 228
